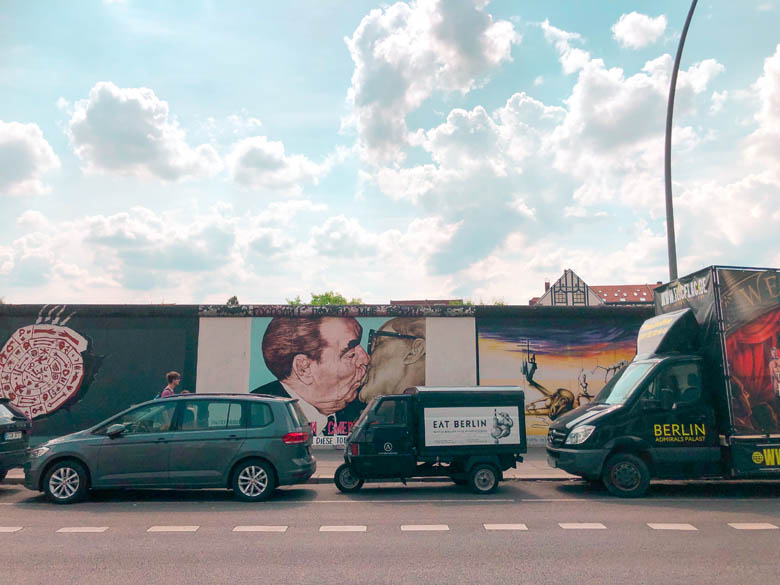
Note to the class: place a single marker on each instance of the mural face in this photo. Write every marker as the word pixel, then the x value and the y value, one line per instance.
pixel 561 365
pixel 336 365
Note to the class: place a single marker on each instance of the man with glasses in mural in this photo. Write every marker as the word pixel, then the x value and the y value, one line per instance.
pixel 397 353
pixel 318 360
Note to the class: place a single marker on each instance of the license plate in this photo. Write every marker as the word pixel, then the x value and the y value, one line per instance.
pixel 13 435
pixel 551 461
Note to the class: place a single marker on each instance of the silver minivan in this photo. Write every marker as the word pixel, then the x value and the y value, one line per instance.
pixel 250 443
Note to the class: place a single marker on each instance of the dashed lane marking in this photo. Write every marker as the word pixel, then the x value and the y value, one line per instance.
pixel 260 529
pixel 505 527
pixel 661 526
pixel 75 529
pixel 6 529
pixel 582 526
pixel 753 526
pixel 424 527
pixel 173 529
pixel 343 528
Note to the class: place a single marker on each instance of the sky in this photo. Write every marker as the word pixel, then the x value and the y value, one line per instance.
pixel 186 152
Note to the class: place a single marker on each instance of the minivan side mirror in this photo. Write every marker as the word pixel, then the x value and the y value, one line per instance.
pixel 115 430
pixel 667 398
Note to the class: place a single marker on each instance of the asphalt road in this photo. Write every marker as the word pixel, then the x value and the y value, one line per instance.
pixel 528 532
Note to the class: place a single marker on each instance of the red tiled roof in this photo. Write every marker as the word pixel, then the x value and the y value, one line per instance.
pixel 625 293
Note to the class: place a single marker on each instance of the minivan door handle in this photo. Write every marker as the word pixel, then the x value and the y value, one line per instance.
pixel 233 437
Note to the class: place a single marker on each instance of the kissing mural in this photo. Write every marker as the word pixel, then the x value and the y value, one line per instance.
pixel 335 365
pixel 560 363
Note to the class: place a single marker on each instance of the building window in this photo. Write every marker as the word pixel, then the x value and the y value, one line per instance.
pixel 560 297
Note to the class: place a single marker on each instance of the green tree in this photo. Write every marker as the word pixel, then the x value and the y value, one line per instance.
pixel 327 298
pixel 232 302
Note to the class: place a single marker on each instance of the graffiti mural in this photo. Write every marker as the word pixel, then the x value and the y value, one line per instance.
pixel 560 363
pixel 42 365
pixel 336 365
pixel 69 367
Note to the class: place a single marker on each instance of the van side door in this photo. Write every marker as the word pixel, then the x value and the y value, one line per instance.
pixel 678 421
pixel 390 439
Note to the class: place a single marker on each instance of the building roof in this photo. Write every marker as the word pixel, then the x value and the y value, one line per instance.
pixel 625 293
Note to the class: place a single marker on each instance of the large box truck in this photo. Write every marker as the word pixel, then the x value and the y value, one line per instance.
pixel 471 435
pixel 701 399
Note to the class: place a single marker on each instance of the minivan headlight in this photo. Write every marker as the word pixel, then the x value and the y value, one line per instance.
pixel 580 434
pixel 35 453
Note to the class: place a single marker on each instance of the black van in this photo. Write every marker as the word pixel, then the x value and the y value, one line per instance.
pixel 700 399
pixel 14 437
pixel 469 434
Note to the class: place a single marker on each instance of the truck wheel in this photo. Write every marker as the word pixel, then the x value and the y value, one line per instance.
pixel 66 482
pixel 483 479
pixel 254 481
pixel 346 480
pixel 626 476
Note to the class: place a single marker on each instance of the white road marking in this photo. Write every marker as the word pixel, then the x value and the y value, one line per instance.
pixel 260 529
pixel 582 526
pixel 6 529
pixel 83 529
pixel 753 526
pixel 343 528
pixel 661 526
pixel 505 527
pixel 173 528
pixel 424 527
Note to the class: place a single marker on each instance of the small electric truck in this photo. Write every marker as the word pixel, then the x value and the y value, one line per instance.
pixel 701 399
pixel 470 434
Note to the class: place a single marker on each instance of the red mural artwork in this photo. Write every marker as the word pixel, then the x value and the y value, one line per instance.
pixel 41 367
pixel 755 373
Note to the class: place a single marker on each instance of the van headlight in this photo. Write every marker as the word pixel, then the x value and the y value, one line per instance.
pixel 35 453
pixel 580 434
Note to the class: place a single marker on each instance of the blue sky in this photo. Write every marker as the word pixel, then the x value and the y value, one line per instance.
pixel 188 152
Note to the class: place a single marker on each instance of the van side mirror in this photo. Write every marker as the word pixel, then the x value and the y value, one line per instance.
pixel 667 398
pixel 115 430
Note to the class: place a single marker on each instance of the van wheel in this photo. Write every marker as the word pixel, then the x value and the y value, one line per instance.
pixel 346 480
pixel 254 481
pixel 483 479
pixel 626 476
pixel 66 482
pixel 2 475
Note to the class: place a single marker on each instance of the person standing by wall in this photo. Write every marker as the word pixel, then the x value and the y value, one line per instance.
pixel 173 378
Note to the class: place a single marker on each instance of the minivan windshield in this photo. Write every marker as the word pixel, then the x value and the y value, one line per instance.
pixel 624 384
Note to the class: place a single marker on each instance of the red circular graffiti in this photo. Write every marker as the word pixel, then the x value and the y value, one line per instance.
pixel 41 367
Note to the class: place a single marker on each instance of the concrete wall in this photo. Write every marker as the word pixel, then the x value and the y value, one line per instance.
pixel 223 355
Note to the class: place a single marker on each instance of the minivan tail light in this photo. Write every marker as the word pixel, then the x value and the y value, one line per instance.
pixel 295 438
pixel 354 449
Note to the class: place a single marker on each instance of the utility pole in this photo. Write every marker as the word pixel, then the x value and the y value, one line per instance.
pixel 672 246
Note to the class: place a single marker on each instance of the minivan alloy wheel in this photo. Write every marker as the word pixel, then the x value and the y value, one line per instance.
pixel 64 482
pixel 252 481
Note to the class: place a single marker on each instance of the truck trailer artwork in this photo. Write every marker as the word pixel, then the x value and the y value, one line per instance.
pixel 560 364
pixel 42 364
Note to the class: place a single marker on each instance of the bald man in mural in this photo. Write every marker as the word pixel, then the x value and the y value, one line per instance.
pixel 318 360
pixel 397 353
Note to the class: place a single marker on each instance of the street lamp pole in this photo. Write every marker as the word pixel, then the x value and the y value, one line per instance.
pixel 668 151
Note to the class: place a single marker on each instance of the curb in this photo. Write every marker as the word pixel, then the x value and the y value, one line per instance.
pixel 329 479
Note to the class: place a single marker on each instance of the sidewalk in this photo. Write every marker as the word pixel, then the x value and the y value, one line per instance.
pixel 534 468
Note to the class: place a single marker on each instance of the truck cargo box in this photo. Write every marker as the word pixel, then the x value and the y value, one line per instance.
pixel 453 421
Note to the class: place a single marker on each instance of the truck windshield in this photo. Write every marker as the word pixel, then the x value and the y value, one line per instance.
pixel 624 384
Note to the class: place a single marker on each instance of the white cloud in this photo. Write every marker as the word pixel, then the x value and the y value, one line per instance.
pixel 572 58
pixel 405 52
pixel 26 156
pixel 259 163
pixel 718 100
pixel 764 144
pixel 129 131
pixel 636 30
